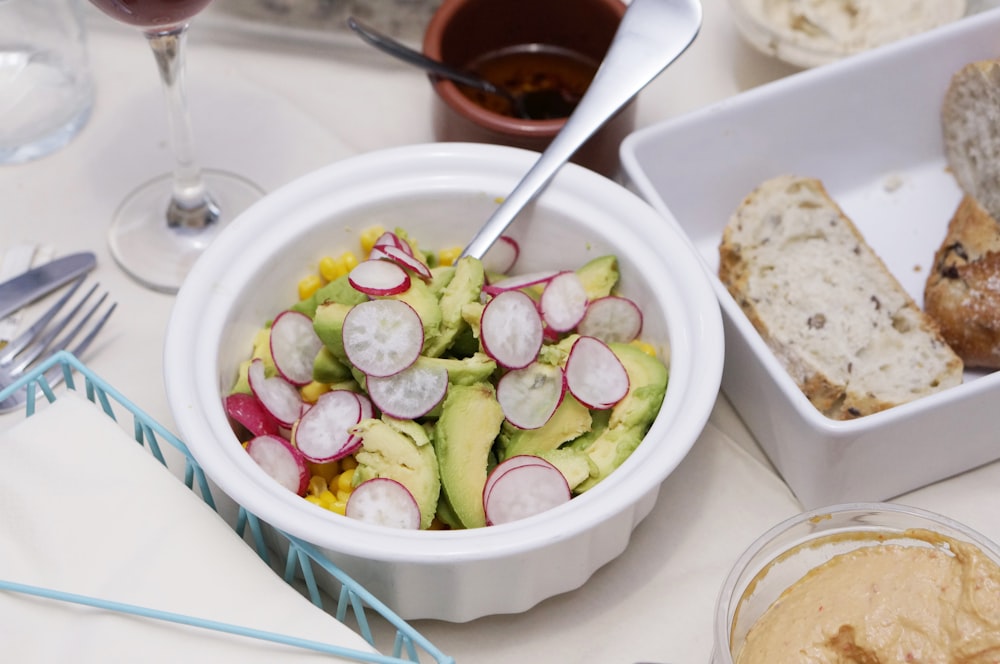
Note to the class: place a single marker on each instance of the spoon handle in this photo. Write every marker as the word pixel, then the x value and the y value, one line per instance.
pixel 407 54
pixel 652 34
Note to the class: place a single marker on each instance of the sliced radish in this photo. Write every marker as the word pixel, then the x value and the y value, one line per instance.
pixel 525 490
pixel 384 502
pixel 282 462
pixel 324 432
pixel 411 393
pixel 246 410
pixel 509 464
pixel 294 346
pixel 530 395
pixel 407 260
pixel 367 410
pixel 378 277
pixel 278 397
pixel 390 239
pixel 519 282
pixel 563 302
pixel 612 319
pixel 382 337
pixel 502 255
pixel 594 374
pixel 511 329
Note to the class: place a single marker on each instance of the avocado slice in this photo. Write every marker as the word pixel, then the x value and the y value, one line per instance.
pixel 464 288
pixel 400 450
pixel 328 369
pixel 569 421
pixel 463 438
pixel 261 350
pixel 575 465
pixel 628 421
pixel 599 276
pixel 328 322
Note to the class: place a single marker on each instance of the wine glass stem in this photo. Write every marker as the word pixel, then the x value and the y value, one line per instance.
pixel 191 206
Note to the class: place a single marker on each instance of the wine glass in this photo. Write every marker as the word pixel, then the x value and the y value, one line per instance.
pixel 162 227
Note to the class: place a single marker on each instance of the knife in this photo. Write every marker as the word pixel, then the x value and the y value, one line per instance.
pixel 27 287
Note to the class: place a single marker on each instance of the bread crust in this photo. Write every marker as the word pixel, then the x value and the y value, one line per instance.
pixel 846 331
pixel 962 292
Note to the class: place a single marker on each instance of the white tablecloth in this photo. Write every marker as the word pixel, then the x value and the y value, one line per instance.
pixel 273 110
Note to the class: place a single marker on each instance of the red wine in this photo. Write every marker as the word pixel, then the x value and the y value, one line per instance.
pixel 151 13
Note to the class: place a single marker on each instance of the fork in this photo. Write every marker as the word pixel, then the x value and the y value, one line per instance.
pixel 42 339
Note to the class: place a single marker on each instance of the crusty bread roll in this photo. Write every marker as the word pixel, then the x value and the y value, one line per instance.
pixel 962 291
pixel 849 335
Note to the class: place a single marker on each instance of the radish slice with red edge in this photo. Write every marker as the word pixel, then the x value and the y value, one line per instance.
pixel 518 282
pixel 529 396
pixel 324 432
pixel 594 374
pixel 409 261
pixel 367 409
pixel 384 502
pixel 500 258
pixel 278 397
pixel 563 302
pixel 511 329
pixel 294 346
pixel 390 239
pixel 612 319
pixel 247 411
pixel 282 462
pixel 382 337
pixel 411 393
pixel 379 277
pixel 509 464
pixel 524 491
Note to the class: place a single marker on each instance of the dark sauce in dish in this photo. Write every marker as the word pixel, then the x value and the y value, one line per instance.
pixel 561 74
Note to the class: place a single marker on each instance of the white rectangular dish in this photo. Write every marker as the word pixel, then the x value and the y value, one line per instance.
pixel 869 128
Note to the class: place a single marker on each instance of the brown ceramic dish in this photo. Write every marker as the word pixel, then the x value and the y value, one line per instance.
pixel 463 31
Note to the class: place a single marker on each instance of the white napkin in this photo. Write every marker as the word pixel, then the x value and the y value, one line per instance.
pixel 84 509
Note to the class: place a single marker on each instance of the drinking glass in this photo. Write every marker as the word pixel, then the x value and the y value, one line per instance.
pixel 162 227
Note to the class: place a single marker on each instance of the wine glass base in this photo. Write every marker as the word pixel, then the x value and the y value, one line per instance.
pixel 158 256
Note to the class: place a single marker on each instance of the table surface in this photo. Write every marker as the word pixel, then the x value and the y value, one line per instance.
pixel 274 109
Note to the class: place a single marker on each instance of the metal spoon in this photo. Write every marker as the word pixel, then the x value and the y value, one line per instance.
pixel 541 104
pixel 652 34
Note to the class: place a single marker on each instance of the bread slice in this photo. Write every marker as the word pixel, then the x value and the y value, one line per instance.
pixel 970 122
pixel 849 335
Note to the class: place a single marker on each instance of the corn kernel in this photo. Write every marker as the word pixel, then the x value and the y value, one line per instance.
pixel 342 495
pixel 309 285
pixel 328 268
pixel 312 391
pixel 348 261
pixel 327 498
pixel 644 347
pixel 345 481
pixel 338 507
pixel 317 485
pixel 327 470
pixel 449 256
pixel 368 237
pixel 348 462
pixel 314 500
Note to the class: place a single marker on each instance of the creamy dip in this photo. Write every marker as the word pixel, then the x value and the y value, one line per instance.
pixel 886 604
pixel 842 27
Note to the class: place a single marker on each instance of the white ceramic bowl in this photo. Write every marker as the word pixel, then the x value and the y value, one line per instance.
pixel 785 553
pixel 869 127
pixel 441 193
